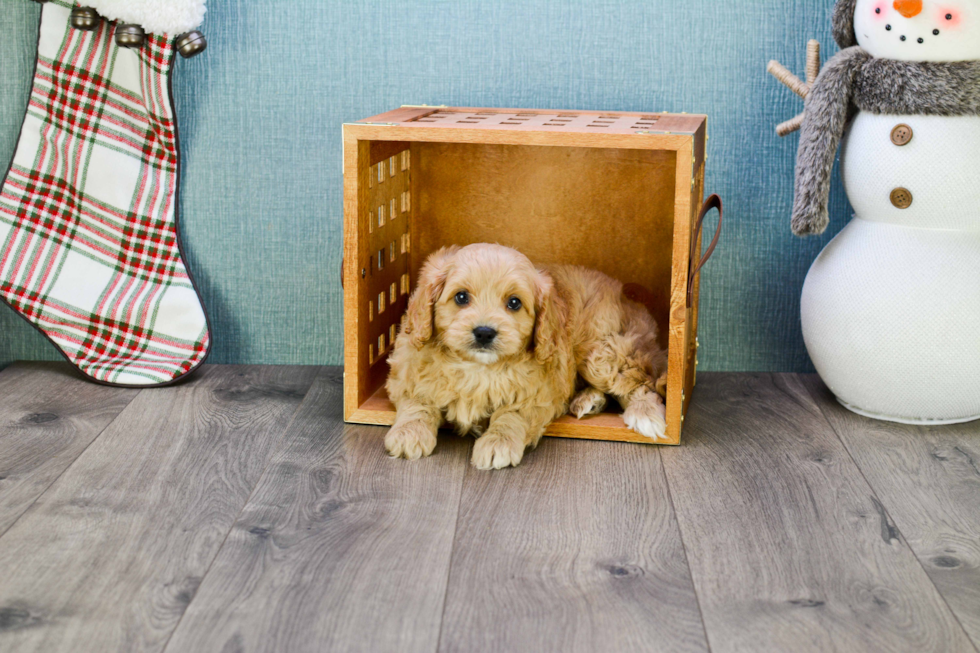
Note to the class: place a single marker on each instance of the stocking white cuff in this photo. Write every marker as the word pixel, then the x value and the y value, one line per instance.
pixel 155 16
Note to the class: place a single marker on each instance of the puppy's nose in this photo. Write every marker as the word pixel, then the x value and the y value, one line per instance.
pixel 484 335
pixel 908 8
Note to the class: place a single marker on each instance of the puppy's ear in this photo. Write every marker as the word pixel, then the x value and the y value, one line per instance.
pixel 419 318
pixel 551 317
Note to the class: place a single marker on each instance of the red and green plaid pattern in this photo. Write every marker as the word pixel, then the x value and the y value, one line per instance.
pixel 89 251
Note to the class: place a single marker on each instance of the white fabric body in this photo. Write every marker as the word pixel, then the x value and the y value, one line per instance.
pixel 155 16
pixel 891 308
pixel 940 166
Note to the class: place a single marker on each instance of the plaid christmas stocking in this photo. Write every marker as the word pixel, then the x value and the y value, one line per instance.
pixel 89 248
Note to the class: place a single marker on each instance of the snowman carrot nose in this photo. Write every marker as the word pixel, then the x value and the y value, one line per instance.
pixel 908 8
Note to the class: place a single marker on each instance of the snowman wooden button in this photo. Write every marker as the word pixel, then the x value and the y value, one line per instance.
pixel 902 135
pixel 901 198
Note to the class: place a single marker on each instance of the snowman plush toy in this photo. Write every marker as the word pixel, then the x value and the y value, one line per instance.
pixel 891 308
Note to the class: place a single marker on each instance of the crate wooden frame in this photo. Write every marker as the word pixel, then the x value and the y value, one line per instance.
pixel 396 142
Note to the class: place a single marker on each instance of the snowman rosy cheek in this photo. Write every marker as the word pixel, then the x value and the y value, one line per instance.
pixel 948 17
pixel 880 10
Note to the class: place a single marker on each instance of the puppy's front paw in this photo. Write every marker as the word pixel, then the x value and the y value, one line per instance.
pixel 588 402
pixel 411 440
pixel 647 415
pixel 494 451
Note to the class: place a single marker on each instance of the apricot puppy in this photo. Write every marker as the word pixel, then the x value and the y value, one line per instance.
pixel 496 346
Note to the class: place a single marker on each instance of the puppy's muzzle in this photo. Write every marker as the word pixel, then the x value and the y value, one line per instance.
pixel 484 336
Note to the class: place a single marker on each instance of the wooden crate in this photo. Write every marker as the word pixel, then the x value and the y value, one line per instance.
pixel 543 182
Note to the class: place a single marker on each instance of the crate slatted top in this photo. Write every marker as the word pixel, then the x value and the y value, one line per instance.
pixel 585 122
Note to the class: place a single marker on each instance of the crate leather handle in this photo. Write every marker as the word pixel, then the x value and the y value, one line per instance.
pixel 713 202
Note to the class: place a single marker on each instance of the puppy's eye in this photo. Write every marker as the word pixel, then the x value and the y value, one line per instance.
pixel 462 298
pixel 514 304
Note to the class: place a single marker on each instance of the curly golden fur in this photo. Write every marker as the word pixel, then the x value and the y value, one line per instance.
pixel 497 347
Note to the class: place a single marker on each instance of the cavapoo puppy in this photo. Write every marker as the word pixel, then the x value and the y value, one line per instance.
pixel 497 347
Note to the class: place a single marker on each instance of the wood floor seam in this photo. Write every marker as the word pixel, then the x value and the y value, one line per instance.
pixel 687 557
pixel 452 553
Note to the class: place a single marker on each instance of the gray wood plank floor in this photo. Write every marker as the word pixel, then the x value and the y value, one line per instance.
pixel 236 512
pixel 339 548
pixel 575 550
pixel 929 477
pixel 786 538
pixel 108 558
pixel 48 416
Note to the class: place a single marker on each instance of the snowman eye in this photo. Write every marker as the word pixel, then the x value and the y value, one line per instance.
pixel 878 10
pixel 949 16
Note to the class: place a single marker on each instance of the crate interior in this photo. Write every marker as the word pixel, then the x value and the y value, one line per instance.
pixel 607 209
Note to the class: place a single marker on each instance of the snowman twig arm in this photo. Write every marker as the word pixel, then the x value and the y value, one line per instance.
pixel 812 61
pixel 827 108
pixel 797 85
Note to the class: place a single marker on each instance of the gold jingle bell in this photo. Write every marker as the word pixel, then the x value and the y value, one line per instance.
pixel 85 18
pixel 130 36
pixel 191 44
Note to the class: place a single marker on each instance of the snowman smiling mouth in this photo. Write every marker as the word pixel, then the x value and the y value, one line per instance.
pixel 904 38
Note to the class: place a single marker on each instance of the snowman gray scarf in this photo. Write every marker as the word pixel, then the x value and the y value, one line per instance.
pixel 855 79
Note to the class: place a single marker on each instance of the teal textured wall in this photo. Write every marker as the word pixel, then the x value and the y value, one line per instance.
pixel 260 117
